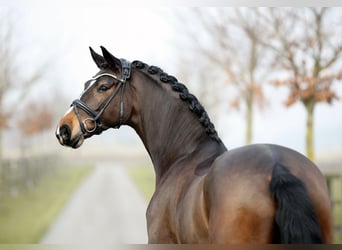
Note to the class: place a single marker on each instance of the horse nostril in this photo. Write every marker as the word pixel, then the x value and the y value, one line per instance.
pixel 65 133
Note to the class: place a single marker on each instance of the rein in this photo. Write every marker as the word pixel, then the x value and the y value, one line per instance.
pixel 96 116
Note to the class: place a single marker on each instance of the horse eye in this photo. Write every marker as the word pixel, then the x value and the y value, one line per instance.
pixel 103 88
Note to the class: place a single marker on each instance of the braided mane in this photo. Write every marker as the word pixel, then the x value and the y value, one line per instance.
pixel 184 95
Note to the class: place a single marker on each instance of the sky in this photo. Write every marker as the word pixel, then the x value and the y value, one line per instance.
pixel 58 35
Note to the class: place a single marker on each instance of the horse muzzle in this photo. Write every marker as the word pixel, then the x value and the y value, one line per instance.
pixel 65 138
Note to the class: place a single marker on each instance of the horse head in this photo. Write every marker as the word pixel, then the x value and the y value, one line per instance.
pixel 103 103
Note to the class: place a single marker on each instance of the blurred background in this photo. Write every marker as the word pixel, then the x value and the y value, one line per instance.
pixel 265 75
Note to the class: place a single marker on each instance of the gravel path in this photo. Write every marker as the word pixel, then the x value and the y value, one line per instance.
pixel 106 209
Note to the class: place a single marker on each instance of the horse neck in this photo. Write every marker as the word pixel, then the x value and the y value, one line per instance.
pixel 167 128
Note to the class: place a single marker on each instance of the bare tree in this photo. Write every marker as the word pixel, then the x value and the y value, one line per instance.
pixel 307 45
pixel 36 119
pixel 11 79
pixel 202 82
pixel 228 38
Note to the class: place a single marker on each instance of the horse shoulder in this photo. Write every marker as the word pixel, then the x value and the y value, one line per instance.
pixel 192 214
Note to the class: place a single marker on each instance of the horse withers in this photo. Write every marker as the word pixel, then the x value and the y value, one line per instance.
pixel 204 193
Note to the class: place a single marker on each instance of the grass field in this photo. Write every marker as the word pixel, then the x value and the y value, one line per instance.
pixel 144 178
pixel 24 218
pixel 336 195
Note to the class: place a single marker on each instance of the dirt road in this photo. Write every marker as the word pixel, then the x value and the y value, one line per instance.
pixel 106 209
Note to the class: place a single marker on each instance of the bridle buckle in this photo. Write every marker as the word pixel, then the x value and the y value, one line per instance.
pixel 86 126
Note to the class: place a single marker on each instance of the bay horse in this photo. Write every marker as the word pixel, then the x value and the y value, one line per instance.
pixel 204 193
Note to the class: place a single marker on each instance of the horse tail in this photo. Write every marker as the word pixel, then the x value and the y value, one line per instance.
pixel 295 218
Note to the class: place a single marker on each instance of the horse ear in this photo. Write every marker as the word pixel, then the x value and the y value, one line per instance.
pixel 98 59
pixel 113 62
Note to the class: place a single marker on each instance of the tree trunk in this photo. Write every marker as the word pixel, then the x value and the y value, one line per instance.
pixel 310 106
pixel 250 88
pixel 1 125
pixel 0 145
pixel 249 120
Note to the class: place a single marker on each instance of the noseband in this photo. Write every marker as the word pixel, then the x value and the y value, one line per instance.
pixel 95 116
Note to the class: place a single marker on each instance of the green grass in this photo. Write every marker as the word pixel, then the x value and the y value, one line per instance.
pixel 144 178
pixel 336 194
pixel 26 217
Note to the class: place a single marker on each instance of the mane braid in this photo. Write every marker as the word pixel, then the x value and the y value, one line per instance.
pixel 194 105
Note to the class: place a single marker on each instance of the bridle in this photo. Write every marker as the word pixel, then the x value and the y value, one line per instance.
pixel 95 117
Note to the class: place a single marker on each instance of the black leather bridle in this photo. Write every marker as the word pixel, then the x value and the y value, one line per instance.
pixel 95 117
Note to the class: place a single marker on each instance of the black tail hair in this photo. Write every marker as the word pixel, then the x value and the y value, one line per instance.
pixel 296 220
